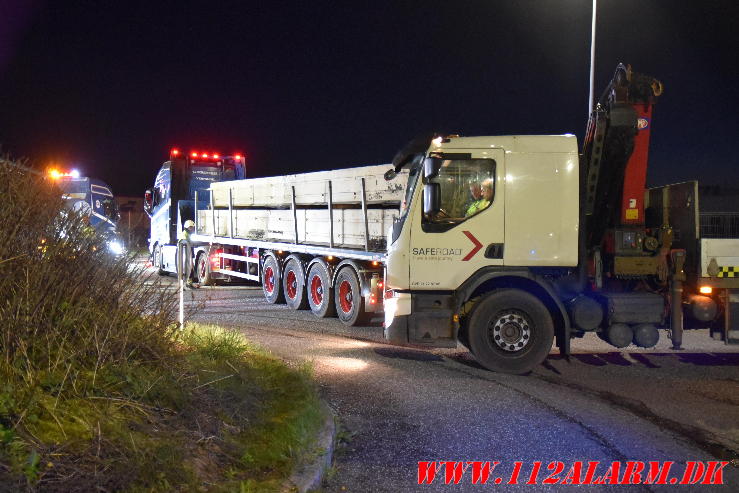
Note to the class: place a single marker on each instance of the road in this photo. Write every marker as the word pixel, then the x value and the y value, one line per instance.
pixel 397 406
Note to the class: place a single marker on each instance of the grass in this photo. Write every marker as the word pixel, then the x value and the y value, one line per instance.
pixel 99 390
pixel 223 416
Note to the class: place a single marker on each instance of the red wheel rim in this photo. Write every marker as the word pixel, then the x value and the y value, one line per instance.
pixel 269 280
pixel 346 299
pixel 316 290
pixel 291 284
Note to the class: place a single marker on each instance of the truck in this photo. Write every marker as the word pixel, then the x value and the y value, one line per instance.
pixel 505 244
pixel 711 241
pixel 93 199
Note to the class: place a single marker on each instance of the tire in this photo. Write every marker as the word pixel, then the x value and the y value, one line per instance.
pixel 202 270
pixel 320 295
pixel 271 277
pixel 158 261
pixel 348 298
pixel 510 331
pixel 293 285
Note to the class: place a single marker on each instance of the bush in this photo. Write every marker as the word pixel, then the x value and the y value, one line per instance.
pixel 99 391
pixel 71 314
pixel 64 300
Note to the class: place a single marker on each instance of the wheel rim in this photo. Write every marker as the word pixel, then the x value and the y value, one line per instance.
pixel 203 267
pixel 510 330
pixel 291 284
pixel 269 279
pixel 316 290
pixel 346 298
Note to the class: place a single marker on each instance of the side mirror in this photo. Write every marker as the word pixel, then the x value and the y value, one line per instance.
pixel 390 174
pixel 431 199
pixel 431 167
pixel 148 202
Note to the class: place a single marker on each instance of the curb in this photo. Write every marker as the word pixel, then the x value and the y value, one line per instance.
pixel 308 476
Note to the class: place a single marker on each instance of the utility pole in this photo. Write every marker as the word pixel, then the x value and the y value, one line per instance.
pixel 592 59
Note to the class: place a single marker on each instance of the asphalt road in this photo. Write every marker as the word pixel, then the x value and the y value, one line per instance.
pixel 398 406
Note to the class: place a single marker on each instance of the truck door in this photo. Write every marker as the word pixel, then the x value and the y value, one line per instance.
pixel 161 226
pixel 465 231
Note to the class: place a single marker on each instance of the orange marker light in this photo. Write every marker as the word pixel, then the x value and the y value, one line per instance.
pixel 55 174
pixel 706 290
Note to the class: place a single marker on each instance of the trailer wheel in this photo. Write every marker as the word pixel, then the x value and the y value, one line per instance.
pixel 510 331
pixel 293 285
pixel 271 285
pixel 348 297
pixel 205 278
pixel 320 294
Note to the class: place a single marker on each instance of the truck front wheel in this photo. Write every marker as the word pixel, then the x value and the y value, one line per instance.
pixel 510 331
pixel 159 261
pixel 271 280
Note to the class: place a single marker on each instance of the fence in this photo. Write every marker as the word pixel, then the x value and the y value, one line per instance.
pixel 719 225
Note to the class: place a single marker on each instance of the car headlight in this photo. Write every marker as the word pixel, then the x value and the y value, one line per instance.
pixel 115 247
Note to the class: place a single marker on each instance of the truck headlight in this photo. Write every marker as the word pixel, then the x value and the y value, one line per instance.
pixel 115 247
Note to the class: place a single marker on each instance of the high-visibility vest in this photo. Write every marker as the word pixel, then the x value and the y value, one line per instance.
pixel 476 207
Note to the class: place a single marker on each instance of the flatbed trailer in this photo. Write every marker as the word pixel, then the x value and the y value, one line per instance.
pixel 315 240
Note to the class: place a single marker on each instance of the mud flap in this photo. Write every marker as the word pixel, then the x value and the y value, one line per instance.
pixel 731 319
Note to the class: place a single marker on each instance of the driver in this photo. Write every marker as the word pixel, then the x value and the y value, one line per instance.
pixel 484 201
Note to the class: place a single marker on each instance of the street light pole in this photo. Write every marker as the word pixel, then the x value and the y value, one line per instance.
pixel 592 59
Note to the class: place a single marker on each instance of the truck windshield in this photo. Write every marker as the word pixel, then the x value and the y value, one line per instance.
pixel 412 181
pixel 467 188
pixel 413 174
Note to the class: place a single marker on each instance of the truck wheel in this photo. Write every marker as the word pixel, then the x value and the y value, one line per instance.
pixel 293 285
pixel 510 331
pixel 320 294
pixel 348 297
pixel 205 278
pixel 159 261
pixel 271 285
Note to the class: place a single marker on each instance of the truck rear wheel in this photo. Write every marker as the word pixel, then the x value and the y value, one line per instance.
pixel 348 297
pixel 202 270
pixel 271 285
pixel 510 331
pixel 293 285
pixel 320 294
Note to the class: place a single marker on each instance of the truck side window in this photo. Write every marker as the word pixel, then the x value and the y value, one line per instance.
pixel 467 188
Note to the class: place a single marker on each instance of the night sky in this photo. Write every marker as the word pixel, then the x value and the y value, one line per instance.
pixel 109 87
